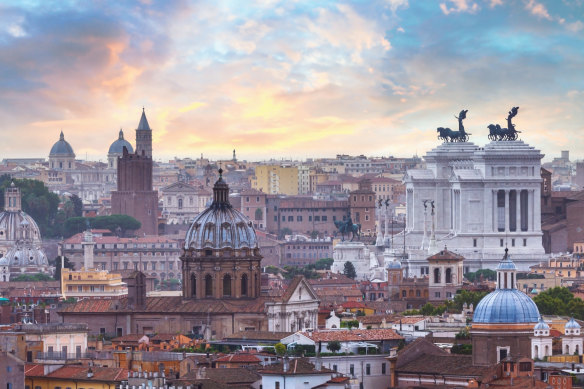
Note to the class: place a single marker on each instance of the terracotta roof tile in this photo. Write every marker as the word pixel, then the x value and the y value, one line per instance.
pixel 239 358
pixel 109 374
pixel 296 366
pixel 445 365
pixel 353 335
pixel 174 304
pixel 258 335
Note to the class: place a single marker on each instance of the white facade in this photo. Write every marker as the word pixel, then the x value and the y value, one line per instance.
pixel 182 202
pixel 541 344
pixel 485 198
pixel 364 259
pixel 297 312
pixel 371 370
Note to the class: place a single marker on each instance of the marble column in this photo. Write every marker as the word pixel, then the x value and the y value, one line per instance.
pixel 506 210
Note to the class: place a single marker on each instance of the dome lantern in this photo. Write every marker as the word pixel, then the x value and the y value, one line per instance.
pixel 506 273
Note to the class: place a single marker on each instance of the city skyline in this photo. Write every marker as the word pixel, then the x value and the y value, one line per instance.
pixel 288 79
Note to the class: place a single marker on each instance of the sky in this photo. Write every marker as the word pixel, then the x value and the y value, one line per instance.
pixel 288 79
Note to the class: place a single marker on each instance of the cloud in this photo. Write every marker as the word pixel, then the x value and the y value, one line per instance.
pixel 459 6
pixel 538 9
pixel 576 26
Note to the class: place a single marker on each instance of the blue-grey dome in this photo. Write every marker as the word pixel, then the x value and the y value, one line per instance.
pixel 394 265
pixel 572 325
pixel 118 146
pixel 506 306
pixel 61 148
pixel 506 263
pixel 221 225
pixel 541 325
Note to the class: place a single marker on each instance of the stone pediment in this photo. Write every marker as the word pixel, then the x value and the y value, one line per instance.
pixel 178 187
pixel 418 174
pixel 298 291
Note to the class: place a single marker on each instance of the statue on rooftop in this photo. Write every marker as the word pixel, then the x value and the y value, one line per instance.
pixel 510 133
pixel 448 135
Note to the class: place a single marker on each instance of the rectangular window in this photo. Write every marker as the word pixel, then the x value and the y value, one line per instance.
pixel 512 242
pixel 501 242
pixel 383 367
pixel 368 369
pixel 317 218
pixel 352 370
pixel 275 218
pixel 524 242
pixel 324 218
pixel 290 218
pixel 298 218
pixel 277 384
pixel 474 243
pixel 309 218
pixel 283 218
pixel 436 294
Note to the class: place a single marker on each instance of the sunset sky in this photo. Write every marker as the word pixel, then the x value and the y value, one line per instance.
pixel 288 79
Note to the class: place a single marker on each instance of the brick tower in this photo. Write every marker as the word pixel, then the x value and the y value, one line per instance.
pixel 135 196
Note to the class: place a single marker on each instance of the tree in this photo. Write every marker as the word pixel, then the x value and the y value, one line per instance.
pixel 324 264
pixel 37 201
pixel 123 223
pixel 334 346
pixel 560 301
pixel 349 270
pixel 468 297
pixel 77 205
pixel 280 349
pixel 487 274
pixel 32 277
pixel 68 265
pixel 427 310
pixel 283 232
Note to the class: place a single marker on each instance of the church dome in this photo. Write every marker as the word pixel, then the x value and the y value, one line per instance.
pixel 541 325
pixel 10 221
pixel 506 306
pixel 61 148
pixel 221 226
pixel 27 256
pixel 394 265
pixel 118 146
pixel 572 325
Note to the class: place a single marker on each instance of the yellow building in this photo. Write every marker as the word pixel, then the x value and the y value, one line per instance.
pixel 92 283
pixel 274 179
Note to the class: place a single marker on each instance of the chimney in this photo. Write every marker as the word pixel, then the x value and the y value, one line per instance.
pixel 286 364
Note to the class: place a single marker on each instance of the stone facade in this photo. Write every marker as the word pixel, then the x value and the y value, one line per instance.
pixel 446 274
pixel 485 198
pixel 182 202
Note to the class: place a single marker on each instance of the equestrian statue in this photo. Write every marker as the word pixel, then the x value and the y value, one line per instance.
pixel 448 135
pixel 509 133
pixel 347 227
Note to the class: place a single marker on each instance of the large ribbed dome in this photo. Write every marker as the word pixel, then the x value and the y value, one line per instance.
pixel 506 306
pixel 118 146
pixel 10 221
pixel 61 148
pixel 26 256
pixel 220 225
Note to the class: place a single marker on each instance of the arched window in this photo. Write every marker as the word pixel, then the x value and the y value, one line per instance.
pixel 536 352
pixel 449 276
pixel 193 285
pixel 244 285
pixel 180 203
pixel 547 351
pixel 568 349
pixel 226 285
pixel 208 286
pixel 436 275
